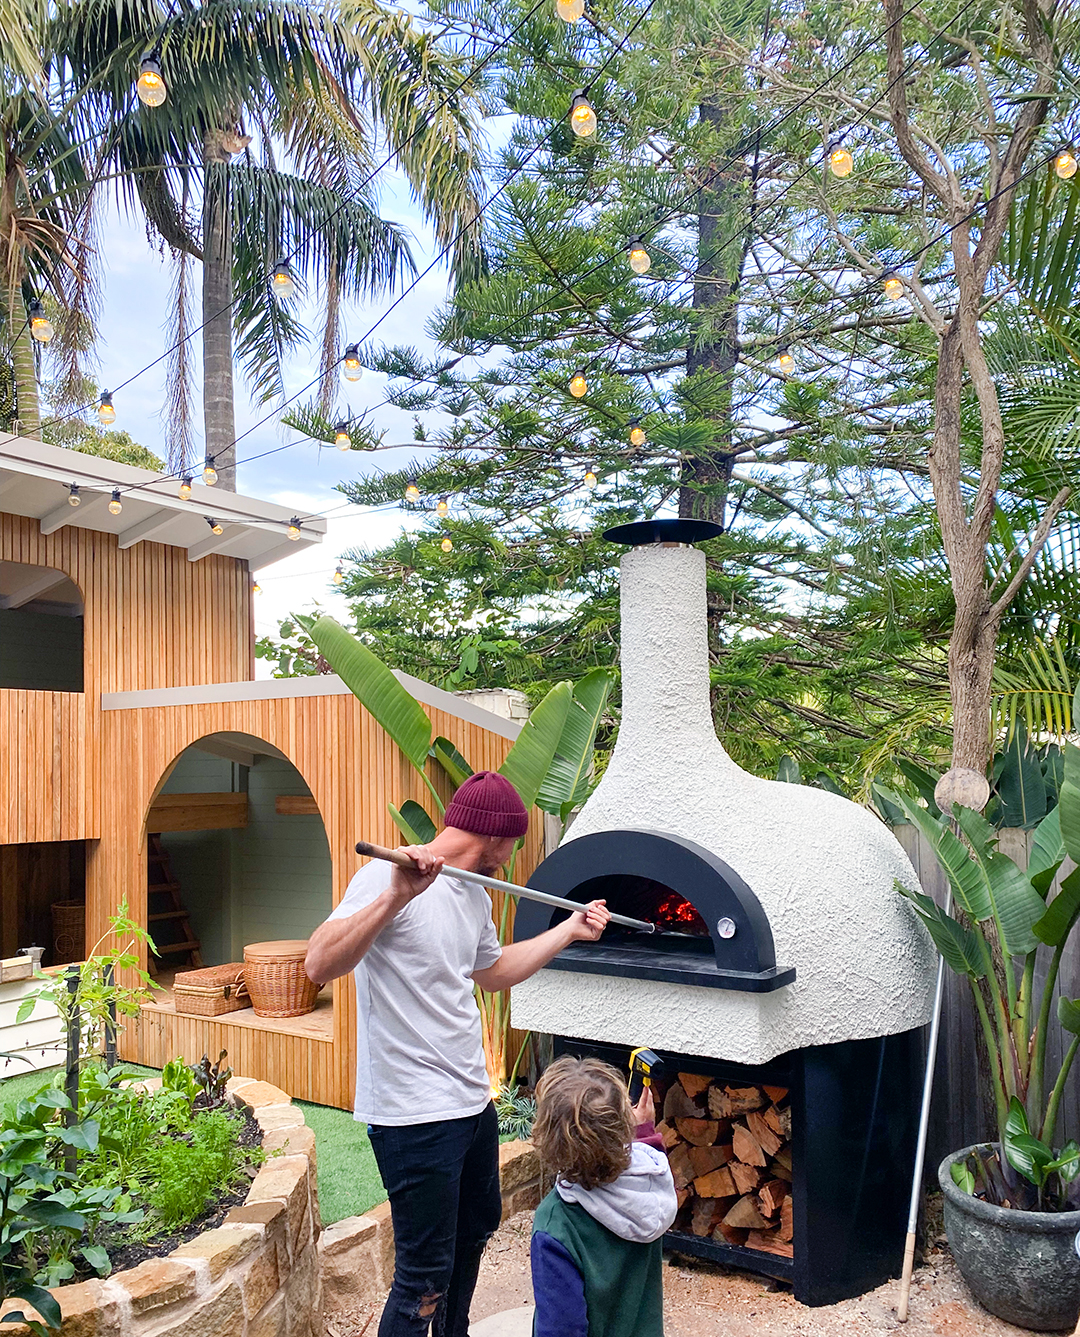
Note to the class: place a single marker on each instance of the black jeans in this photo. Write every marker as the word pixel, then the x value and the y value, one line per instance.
pixel 443 1183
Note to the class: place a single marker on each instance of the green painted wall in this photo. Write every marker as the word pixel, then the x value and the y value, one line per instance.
pixel 40 652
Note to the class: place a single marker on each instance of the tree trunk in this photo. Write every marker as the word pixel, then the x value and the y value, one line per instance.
pixel 219 419
pixel 24 366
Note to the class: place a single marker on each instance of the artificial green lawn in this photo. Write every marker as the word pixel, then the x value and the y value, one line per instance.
pixel 349 1182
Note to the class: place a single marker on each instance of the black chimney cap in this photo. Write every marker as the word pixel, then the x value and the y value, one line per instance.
pixel 663 531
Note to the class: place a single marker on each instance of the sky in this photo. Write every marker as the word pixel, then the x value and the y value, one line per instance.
pixel 303 477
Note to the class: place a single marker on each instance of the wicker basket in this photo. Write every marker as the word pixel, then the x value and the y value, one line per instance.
pixel 274 974
pixel 69 931
pixel 212 991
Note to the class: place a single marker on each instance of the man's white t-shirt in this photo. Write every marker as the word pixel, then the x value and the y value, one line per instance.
pixel 419 1053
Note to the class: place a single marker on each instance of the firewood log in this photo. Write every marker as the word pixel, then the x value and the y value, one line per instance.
pixel 716 1184
pixel 678 1105
pixel 784 1157
pixel 719 1103
pixel 776 1093
pixel 778 1171
pixel 745 1098
pixel 669 1133
pixel 706 1159
pixel 682 1196
pixel 767 1241
pixel 745 1215
pixel 777 1119
pixel 706 1213
pixel 787 1220
pixel 747 1177
pixel 768 1141
pixel 693 1083
pixel 747 1148
pixel 772 1195
pixel 682 1172
pixel 699 1132
pixel 730 1234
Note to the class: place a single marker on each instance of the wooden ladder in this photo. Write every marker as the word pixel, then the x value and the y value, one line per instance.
pixel 167 919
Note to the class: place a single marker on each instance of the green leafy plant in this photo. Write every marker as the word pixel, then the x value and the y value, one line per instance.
pixel 184 1175
pixel 516 1111
pixel 212 1081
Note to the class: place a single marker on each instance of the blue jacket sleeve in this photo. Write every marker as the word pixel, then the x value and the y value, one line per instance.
pixel 558 1289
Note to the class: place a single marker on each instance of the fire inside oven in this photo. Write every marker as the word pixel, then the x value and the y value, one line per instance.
pixel 642 898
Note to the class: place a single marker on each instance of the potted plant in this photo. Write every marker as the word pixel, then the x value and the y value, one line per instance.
pixel 1012 1207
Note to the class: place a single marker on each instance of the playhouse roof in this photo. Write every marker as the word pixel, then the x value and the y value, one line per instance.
pixel 35 480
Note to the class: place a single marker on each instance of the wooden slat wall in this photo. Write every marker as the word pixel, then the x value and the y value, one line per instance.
pixel 152 619
pixel 960 1114
pixel 352 770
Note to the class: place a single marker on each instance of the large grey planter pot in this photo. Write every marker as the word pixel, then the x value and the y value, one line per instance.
pixel 1022 1266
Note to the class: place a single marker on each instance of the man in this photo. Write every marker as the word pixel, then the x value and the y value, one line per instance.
pixel 418 941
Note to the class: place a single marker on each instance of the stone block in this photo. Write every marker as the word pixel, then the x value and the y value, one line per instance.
pixel 270 1117
pixel 88 1309
pixel 273 1217
pixel 159 1283
pixel 285 1178
pixel 258 1094
pixel 385 1243
pixel 222 1248
pixel 303 1301
pixel 260 1280
pixel 236 1084
pixel 271 1322
pixel 523 1199
pixel 294 1141
pixel 220 1314
pixel 350 1265
pixel 519 1163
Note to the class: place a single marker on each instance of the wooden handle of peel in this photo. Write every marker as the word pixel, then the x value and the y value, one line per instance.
pixel 905 1278
pixel 381 852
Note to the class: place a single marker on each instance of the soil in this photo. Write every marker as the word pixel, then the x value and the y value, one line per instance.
pixel 129 1254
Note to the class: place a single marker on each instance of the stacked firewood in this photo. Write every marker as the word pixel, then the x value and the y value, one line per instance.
pixel 729 1147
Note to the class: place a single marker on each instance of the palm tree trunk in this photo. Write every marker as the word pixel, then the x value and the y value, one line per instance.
pixel 219 418
pixel 27 401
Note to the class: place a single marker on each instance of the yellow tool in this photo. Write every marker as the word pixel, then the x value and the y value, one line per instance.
pixel 644 1066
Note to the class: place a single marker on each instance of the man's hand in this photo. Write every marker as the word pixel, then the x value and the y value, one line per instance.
pixel 587 925
pixel 407 883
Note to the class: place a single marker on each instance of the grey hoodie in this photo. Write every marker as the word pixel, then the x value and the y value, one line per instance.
pixel 638 1206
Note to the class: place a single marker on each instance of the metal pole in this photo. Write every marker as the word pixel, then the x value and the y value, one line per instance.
pixel 110 1023
pixel 71 1076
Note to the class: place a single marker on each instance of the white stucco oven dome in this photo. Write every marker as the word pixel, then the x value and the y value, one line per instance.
pixel 822 868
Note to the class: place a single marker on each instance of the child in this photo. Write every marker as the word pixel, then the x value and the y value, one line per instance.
pixel 596 1252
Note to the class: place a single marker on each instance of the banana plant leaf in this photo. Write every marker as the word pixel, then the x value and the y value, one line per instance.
pixel 924 783
pixel 413 822
pixel 962 948
pixel 530 758
pixel 1068 1010
pixel 566 783
pixel 451 760
pixel 1021 788
pixel 787 771
pixel 376 688
pixel 891 812
pixel 1047 853
pixel 1069 804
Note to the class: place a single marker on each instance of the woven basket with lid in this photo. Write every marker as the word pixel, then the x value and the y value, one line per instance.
pixel 211 991
pixel 274 974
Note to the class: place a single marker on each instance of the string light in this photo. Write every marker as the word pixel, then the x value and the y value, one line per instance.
pixel 1065 164
pixel 73 495
pixel 785 361
pixel 293 530
pixel 578 384
pixel 209 473
pixel 412 492
pixel 342 439
pixel 570 10
pixel 282 281
pixel 215 526
pixel 637 432
pixel 184 490
pixel 352 370
pixel 339 575
pixel 150 84
pixel 582 116
pixel 447 544
pixel 116 505
pixel 894 289
pixel 442 507
pixel 106 413
pixel 40 327
pixel 640 260
pixel 590 478
pixel 841 162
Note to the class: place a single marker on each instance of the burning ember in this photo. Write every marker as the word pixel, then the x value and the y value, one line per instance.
pixel 675 913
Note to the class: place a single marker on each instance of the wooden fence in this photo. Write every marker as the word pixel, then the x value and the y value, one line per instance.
pixel 960 1113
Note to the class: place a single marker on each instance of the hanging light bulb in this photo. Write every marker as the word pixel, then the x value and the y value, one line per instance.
pixel 256 588
pixel 215 526
pixel 412 492
pixel 342 439
pixel 590 478
pixel 293 530
pixel 150 84
pixel 442 507
pixel 116 505
pixel 785 361
pixel 281 280
pixel 578 384
pixel 73 495
pixel 40 327
pixel 352 369
pixel 570 10
pixel 894 289
pixel 447 544
pixel 841 162
pixel 637 432
pixel 184 490
pixel 1065 164
pixel 339 575
pixel 639 257
pixel 209 473
pixel 582 116
pixel 106 413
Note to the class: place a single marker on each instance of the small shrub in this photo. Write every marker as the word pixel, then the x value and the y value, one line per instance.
pixel 183 1175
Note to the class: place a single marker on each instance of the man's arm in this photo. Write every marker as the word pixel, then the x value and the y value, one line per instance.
pixel 339 945
pixel 519 960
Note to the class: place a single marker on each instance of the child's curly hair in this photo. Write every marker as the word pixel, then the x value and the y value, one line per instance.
pixel 584 1125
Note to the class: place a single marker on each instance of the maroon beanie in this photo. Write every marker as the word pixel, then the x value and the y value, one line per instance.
pixel 488 805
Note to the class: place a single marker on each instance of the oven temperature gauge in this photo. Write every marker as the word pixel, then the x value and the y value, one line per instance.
pixel 725 928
